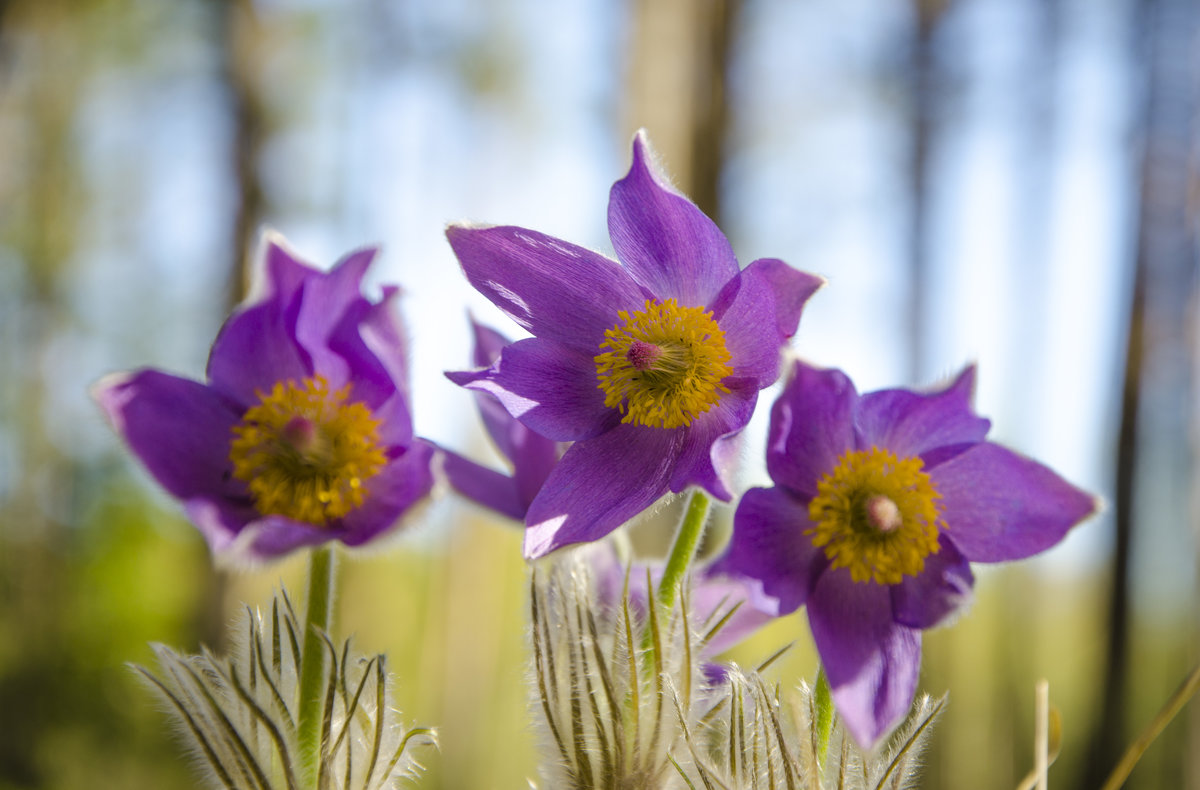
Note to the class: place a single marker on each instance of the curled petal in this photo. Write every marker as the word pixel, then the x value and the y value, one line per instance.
pixel 1000 505
pixel 812 424
pixel 759 310
pixel 913 423
pixel 666 243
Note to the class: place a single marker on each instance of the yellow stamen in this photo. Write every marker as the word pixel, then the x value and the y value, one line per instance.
pixel 306 453
pixel 877 515
pixel 663 365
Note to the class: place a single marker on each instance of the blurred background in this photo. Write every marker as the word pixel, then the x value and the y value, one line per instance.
pixel 1007 182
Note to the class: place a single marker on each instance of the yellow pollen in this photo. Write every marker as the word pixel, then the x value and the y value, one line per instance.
pixel 663 365
pixel 877 515
pixel 305 452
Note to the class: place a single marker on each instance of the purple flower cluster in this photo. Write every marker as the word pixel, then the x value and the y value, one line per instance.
pixel 640 373
pixel 303 432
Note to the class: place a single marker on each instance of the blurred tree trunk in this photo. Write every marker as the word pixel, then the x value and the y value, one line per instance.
pixel 925 84
pixel 1157 355
pixel 678 89
pixel 678 92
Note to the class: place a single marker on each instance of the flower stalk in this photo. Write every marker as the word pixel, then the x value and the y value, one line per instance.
pixel 322 570
pixel 683 550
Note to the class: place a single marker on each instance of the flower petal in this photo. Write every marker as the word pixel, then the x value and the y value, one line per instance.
pixel 330 301
pixel 999 505
pixel 811 426
pixel 257 345
pixel 549 387
pixel 554 289
pixel 769 546
pixel 871 661
pixel 710 445
pixel 912 423
pixel 178 428
pixel 374 346
pixel 759 310
pixel 938 592
pixel 398 486
pixel 600 484
pixel 484 486
pixel 665 242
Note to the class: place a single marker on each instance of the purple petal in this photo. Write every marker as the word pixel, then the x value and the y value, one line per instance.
pixel 912 423
pixel 999 505
pixel 488 344
pixel 374 346
pixel 398 486
pixel 178 428
pixel 484 486
pixel 759 310
pixel 871 661
pixel 554 289
pixel 220 521
pixel 549 387
pixel 934 595
pixel 324 305
pixel 600 484
pixel 769 546
pixel 811 427
pixel 665 242
pixel 257 346
pixel 710 446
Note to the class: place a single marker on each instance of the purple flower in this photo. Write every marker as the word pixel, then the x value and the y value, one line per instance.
pixel 649 365
pixel 302 433
pixel 880 504
pixel 532 455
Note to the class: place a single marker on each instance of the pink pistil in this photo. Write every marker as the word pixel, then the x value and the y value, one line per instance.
pixel 883 513
pixel 643 355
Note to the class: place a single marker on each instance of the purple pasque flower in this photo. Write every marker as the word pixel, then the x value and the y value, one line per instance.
pixel 531 455
pixel 881 502
pixel 303 432
pixel 649 364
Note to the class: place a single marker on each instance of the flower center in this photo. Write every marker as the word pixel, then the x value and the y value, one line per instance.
pixel 306 453
pixel 877 515
pixel 663 365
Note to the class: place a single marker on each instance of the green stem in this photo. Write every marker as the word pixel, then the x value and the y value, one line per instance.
pixel 322 569
pixel 684 548
pixel 1136 749
pixel 823 723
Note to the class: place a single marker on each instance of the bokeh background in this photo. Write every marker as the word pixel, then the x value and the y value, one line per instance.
pixel 1007 182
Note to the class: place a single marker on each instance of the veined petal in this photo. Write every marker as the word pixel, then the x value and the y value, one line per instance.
pixel 710 445
pixel 938 592
pixel 912 423
pixel 178 428
pixel 599 485
pixel 554 289
pixel 759 310
pixel 812 424
pixel 374 347
pixel 872 662
pixel 549 387
pixel 1000 505
pixel 663 239
pixel 768 545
